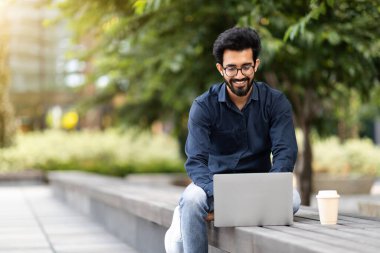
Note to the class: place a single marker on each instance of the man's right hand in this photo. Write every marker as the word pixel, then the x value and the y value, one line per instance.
pixel 210 216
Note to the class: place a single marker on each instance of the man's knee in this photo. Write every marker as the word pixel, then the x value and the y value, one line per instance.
pixel 296 201
pixel 193 196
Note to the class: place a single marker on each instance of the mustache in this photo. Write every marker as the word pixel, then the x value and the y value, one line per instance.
pixel 240 80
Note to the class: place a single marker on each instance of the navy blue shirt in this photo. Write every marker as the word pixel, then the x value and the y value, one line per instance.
pixel 224 139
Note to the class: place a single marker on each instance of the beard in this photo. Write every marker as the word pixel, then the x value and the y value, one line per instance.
pixel 240 91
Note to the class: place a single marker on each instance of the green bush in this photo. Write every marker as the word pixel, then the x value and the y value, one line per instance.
pixel 115 153
pixel 111 152
pixel 357 156
pixel 114 169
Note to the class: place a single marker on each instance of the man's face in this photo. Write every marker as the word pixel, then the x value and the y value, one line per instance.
pixel 241 83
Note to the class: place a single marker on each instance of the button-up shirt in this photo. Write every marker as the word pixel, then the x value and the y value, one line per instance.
pixel 224 139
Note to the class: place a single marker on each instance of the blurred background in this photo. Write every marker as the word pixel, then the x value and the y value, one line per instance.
pixel 105 86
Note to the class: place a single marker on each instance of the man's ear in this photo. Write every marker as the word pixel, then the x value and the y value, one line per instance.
pixel 220 68
pixel 257 64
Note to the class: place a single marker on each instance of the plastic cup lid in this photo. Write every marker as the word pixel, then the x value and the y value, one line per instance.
pixel 328 194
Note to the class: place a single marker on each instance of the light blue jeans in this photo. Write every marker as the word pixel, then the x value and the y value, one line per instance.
pixel 194 207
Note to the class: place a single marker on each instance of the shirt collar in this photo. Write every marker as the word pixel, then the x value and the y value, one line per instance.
pixel 222 95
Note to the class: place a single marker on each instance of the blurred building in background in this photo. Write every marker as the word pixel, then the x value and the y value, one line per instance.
pixel 38 68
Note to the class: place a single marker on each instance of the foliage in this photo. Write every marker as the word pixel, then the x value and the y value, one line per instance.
pixel 317 51
pixel 118 154
pixel 159 52
pixel 110 152
pixel 354 156
pixel 312 56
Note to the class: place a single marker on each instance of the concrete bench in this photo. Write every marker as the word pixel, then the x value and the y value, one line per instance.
pixel 140 214
pixel 371 208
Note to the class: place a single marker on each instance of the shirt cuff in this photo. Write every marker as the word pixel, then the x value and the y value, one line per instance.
pixel 282 169
pixel 209 189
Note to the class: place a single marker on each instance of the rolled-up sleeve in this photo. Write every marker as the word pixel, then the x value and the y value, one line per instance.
pixel 284 144
pixel 197 147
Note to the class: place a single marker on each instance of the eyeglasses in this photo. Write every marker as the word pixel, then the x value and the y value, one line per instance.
pixel 246 70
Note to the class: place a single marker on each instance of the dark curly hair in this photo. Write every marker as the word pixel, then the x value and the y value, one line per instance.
pixel 238 39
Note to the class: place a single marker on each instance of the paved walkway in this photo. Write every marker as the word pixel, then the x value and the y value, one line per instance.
pixel 33 221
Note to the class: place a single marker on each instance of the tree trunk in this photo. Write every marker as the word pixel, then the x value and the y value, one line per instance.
pixel 304 167
pixel 304 108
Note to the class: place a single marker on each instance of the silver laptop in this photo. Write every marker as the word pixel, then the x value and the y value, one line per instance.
pixel 253 199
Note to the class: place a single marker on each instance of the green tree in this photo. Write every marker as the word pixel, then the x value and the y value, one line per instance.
pixel 319 51
pixel 159 53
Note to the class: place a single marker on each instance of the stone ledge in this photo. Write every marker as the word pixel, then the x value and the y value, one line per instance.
pixel 179 179
pixel 155 204
pixel 23 177
pixel 345 185
pixel 140 215
pixel 370 208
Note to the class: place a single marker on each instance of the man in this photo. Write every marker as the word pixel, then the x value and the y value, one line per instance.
pixel 233 128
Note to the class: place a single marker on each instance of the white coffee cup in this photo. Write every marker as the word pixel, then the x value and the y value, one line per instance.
pixel 328 205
